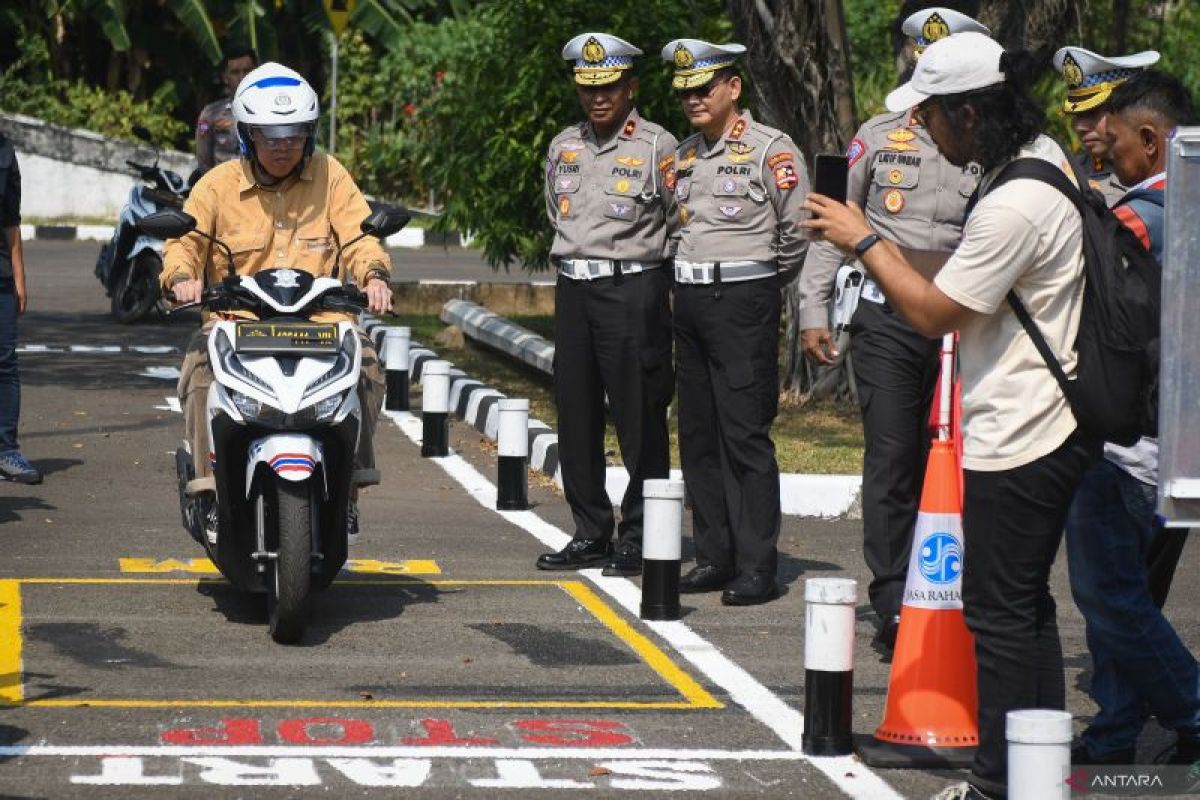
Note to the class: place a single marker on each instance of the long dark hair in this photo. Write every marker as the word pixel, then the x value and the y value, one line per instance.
pixel 1007 118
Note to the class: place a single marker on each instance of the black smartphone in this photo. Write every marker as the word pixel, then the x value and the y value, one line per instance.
pixel 829 176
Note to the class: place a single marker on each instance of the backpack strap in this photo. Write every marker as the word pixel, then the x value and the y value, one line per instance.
pixel 1039 341
pixel 1041 170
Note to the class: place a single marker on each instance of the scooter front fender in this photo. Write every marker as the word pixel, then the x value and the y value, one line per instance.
pixel 291 456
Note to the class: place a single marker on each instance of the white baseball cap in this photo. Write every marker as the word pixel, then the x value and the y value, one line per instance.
pixel 961 62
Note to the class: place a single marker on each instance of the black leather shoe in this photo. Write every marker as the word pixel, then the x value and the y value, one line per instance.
pixel 885 637
pixel 706 578
pixel 1081 756
pixel 626 560
pixel 578 553
pixel 750 590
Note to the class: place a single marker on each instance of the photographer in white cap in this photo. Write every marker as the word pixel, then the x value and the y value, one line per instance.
pixel 1023 452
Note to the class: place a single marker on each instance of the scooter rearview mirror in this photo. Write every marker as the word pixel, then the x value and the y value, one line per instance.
pixel 385 220
pixel 170 223
pixel 143 133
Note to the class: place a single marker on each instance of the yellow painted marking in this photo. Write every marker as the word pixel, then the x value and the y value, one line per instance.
pixel 203 566
pixel 11 689
pixel 198 566
pixel 650 653
pixel 12 692
pixel 412 567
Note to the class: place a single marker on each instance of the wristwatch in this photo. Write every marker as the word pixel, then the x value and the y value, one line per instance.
pixel 375 272
pixel 867 242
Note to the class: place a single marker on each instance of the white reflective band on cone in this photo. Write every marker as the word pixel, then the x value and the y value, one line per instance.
pixel 395 348
pixel 829 605
pixel 513 428
pixel 435 387
pixel 1039 754
pixel 662 520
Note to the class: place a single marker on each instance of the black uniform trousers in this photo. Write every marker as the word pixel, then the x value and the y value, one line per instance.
pixel 895 369
pixel 612 336
pixel 727 362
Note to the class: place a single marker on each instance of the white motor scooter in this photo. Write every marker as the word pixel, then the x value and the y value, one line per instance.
pixel 284 423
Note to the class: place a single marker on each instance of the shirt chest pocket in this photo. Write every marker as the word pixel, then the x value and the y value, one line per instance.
pixel 730 187
pixel 897 177
pixel 621 199
pixel 314 238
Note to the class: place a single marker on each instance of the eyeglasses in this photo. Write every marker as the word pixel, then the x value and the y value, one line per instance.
pixel 282 143
pixel 700 92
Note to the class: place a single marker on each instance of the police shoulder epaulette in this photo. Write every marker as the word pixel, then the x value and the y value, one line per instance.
pixel 888 120
pixel 691 141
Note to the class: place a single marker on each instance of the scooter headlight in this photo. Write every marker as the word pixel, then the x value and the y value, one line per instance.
pixel 253 410
pixel 326 408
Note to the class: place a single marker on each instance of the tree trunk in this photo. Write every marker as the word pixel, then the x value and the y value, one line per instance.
pixel 1039 26
pixel 799 68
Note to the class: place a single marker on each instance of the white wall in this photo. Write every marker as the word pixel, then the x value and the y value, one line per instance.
pixel 60 189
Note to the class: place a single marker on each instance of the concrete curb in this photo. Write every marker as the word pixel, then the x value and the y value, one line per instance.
pixel 821 496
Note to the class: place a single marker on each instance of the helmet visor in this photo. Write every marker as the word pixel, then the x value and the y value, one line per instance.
pixel 298 130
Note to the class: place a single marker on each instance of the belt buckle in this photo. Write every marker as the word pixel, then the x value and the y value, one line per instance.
pixel 593 269
pixel 698 273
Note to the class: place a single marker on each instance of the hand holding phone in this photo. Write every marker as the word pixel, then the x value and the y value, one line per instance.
pixel 830 175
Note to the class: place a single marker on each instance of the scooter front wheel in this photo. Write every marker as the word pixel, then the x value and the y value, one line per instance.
pixel 289 529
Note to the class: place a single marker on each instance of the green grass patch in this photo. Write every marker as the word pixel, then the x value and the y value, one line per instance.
pixel 821 438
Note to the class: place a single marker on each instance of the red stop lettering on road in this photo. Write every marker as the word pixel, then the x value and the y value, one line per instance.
pixel 440 733
pixel 574 732
pixel 348 731
pixel 229 731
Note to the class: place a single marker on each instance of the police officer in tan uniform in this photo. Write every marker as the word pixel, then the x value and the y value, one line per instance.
pixel 216 136
pixel 739 186
pixel 608 198
pixel 916 198
pixel 1090 79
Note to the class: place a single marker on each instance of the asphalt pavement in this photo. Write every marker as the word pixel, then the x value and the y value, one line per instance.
pixel 442 664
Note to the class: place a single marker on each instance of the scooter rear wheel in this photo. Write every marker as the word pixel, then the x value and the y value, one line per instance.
pixel 289 519
pixel 136 291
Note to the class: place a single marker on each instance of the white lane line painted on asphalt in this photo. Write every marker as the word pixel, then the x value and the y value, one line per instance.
pixel 103 349
pixel 846 772
pixel 370 751
pixel 172 405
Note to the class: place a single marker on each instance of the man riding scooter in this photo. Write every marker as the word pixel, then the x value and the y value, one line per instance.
pixel 280 205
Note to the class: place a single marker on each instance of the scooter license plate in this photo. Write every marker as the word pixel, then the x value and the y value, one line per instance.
pixel 290 337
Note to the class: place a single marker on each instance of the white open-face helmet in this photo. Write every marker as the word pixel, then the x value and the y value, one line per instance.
pixel 278 102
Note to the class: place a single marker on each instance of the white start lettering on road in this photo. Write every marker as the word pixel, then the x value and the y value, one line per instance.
pixel 629 774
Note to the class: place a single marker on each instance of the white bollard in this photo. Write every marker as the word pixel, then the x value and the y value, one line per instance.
pixel 512 438
pixel 435 409
pixel 395 361
pixel 661 548
pixel 1039 754
pixel 828 666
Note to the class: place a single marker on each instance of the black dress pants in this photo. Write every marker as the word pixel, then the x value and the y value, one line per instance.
pixel 1012 525
pixel 612 336
pixel 895 370
pixel 727 361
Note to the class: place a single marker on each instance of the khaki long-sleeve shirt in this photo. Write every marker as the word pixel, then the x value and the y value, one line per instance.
pixel 739 200
pixel 911 195
pixel 297 225
pixel 610 199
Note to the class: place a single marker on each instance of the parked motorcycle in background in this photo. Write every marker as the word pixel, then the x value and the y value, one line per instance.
pixel 130 263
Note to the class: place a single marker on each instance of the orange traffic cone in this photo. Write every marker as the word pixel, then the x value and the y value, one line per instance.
pixel 931 718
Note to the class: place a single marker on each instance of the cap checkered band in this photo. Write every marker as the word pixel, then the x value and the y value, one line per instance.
pixel 611 62
pixel 1108 76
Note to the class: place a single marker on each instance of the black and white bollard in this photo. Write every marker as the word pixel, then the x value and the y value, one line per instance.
pixel 395 361
pixel 435 409
pixel 828 666
pixel 512 434
pixel 1039 754
pixel 661 548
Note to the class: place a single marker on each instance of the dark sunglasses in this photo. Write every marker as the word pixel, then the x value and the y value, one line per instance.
pixel 700 91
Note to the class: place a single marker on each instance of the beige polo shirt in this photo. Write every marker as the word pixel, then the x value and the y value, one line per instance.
pixel 1025 236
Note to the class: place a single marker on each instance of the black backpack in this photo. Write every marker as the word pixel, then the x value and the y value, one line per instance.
pixel 1114 395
